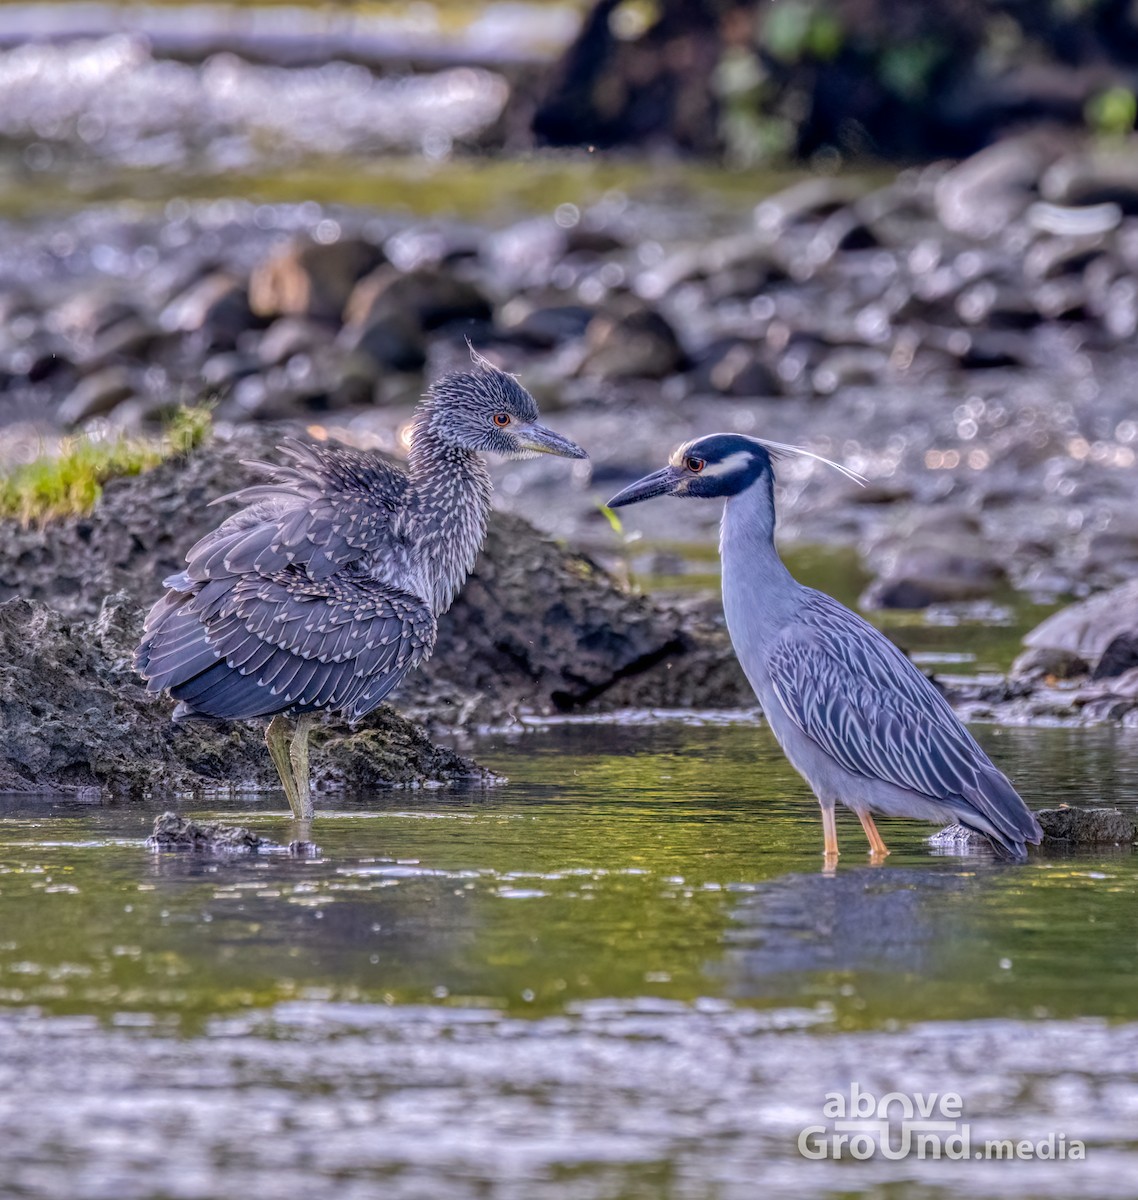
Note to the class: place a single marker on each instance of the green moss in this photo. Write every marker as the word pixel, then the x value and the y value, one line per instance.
pixel 70 481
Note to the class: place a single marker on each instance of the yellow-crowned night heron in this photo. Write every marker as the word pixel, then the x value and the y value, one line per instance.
pixel 323 591
pixel 857 720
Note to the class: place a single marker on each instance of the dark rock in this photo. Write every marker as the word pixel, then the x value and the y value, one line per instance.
pixel 224 369
pixel 1087 628
pixel 543 328
pixel 1094 177
pixel 1063 825
pixel 634 343
pixel 310 279
pixel 733 367
pixel 391 341
pixel 172 832
pixel 288 336
pixel 927 574
pixel 819 196
pixel 1086 826
pixel 1119 656
pixel 981 196
pixel 95 395
pixel 75 716
pixel 1049 663
pixel 132 337
pixel 216 307
pixel 849 366
pixel 388 313
pixel 433 298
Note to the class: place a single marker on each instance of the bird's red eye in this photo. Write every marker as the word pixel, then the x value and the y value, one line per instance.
pixel 501 420
pixel 695 465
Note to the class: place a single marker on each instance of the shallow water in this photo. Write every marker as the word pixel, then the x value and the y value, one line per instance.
pixel 622 974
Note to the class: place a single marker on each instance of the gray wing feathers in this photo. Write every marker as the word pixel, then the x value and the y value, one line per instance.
pixel 847 687
pixel 284 641
pixel 331 507
pixel 275 609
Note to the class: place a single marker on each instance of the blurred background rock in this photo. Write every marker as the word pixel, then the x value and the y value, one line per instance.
pixel 903 234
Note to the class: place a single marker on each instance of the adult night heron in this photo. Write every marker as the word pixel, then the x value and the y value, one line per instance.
pixel 323 591
pixel 857 720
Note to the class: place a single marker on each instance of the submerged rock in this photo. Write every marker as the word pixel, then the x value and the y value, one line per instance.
pixel 172 832
pixel 1086 826
pixel 1066 825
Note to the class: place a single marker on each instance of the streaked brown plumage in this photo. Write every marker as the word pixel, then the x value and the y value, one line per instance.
pixel 323 590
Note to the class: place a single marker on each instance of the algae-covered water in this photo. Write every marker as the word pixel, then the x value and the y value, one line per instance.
pixel 622 974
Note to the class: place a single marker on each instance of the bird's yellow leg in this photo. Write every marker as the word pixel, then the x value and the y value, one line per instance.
pixel 298 756
pixel 830 835
pixel 277 738
pixel 877 848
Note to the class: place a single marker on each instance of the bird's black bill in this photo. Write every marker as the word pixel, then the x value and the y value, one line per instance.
pixel 659 483
pixel 544 441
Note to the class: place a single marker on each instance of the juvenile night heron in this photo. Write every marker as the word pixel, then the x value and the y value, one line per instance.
pixel 323 591
pixel 856 719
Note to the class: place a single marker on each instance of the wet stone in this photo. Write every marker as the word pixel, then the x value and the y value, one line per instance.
pixel 96 395
pixel 433 298
pixel 216 306
pixel 1086 826
pixel 1049 662
pixel 733 367
pixel 634 344
pixel 1121 655
pixel 1088 627
pixel 307 278
pixel 172 832
pixel 924 575
pixel 1066 825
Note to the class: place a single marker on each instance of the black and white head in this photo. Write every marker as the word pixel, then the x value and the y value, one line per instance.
pixel 487 409
pixel 717 466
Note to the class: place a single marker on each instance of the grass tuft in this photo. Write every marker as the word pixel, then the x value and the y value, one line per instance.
pixel 70 482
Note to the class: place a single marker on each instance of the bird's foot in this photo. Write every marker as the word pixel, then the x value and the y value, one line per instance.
pixel 877 848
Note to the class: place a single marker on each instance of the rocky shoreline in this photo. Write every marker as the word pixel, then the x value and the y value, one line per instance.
pixel 961 335
pixel 537 630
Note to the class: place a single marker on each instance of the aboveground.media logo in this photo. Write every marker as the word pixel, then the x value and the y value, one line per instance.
pixel 900 1125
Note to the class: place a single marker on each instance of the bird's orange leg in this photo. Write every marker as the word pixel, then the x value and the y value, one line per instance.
pixel 830 834
pixel 877 848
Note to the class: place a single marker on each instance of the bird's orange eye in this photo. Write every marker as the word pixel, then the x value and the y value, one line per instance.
pixel 695 465
pixel 501 420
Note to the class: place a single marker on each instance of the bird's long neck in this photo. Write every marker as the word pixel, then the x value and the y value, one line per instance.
pixel 759 593
pixel 452 489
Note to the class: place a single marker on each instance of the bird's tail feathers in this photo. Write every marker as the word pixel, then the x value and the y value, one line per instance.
pixel 996 809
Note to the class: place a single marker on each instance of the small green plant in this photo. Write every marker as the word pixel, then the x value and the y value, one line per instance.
pixel 611 517
pixel 70 481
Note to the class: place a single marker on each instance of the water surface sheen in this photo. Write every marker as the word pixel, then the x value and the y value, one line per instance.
pixel 559 987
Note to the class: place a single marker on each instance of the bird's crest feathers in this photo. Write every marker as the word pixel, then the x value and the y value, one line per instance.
pixel 781 450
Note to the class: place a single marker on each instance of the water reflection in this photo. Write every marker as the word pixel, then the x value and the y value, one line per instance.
pixel 622 975
pixel 900 921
